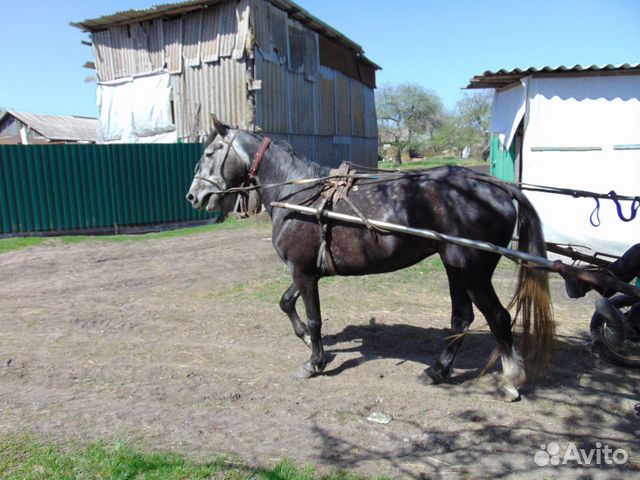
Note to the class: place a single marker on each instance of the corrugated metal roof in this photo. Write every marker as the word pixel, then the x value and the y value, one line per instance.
pixel 292 9
pixel 59 127
pixel 504 77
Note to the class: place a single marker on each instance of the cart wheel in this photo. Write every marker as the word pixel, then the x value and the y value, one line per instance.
pixel 625 355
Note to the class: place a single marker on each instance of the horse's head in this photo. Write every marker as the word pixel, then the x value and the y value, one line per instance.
pixel 223 165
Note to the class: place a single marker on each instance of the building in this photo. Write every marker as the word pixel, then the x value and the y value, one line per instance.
pixel 264 65
pixel 30 128
pixel 571 127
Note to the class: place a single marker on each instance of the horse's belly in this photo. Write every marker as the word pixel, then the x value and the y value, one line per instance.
pixel 358 251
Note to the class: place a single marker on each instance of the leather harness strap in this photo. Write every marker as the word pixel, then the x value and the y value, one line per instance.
pixel 331 194
pixel 256 161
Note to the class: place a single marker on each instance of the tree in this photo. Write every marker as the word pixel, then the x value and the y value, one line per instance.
pixel 466 126
pixel 474 115
pixel 406 112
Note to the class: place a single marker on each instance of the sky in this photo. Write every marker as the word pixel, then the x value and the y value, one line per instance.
pixel 435 43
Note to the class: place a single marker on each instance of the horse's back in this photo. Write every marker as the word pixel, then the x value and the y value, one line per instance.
pixel 450 200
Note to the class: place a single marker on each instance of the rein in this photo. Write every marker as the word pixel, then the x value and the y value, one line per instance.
pixel 594 218
pixel 301 181
pixel 388 175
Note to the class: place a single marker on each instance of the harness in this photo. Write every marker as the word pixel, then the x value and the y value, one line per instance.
pixel 266 141
pixel 218 181
pixel 335 188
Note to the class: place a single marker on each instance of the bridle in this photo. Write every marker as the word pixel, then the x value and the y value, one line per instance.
pixel 219 181
pixel 266 141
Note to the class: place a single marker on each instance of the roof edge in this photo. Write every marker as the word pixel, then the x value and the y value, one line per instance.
pixel 294 10
pixel 503 77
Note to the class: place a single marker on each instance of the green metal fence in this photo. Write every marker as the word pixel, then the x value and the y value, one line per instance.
pixel 53 188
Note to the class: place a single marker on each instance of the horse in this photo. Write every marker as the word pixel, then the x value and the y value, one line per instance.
pixel 450 200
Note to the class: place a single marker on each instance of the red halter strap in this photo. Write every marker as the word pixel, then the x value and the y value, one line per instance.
pixel 256 162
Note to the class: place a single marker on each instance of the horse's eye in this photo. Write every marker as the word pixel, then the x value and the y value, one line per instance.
pixel 209 153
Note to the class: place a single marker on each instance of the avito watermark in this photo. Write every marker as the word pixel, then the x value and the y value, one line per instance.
pixel 550 454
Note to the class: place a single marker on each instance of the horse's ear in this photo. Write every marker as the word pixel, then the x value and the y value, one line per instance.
pixel 220 127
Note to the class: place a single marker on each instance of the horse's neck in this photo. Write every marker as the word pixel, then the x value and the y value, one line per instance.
pixel 280 166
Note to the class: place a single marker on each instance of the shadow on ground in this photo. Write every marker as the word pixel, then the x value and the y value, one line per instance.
pixel 582 390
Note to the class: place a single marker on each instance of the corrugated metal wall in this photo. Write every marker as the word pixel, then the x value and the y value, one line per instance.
pixel 204 52
pixel 329 120
pixel 46 188
pixel 326 115
pixel 186 41
pixel 219 88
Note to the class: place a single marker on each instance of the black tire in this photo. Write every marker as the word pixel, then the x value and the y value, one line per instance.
pixel 617 355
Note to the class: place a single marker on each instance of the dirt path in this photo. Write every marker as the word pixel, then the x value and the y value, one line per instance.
pixel 179 343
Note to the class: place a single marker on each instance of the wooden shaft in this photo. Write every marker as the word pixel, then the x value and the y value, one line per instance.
pixel 606 282
pixel 573 254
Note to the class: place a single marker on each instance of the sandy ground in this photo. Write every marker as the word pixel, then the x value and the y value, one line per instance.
pixel 179 343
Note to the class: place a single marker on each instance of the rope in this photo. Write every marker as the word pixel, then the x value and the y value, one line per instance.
pixel 635 205
pixel 302 181
pixel 594 218
pixel 390 175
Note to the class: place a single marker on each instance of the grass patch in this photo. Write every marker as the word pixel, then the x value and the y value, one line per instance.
pixel 232 223
pixel 262 290
pixel 10 244
pixel 270 291
pixel 431 163
pixel 24 458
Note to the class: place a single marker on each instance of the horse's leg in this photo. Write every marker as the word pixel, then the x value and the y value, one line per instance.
pixel 499 320
pixel 461 318
pixel 288 306
pixel 308 288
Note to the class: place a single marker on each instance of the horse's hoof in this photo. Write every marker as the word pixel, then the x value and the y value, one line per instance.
pixel 508 393
pixel 305 371
pixel 430 376
pixel 307 340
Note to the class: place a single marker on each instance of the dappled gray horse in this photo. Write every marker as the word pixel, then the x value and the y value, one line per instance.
pixel 450 200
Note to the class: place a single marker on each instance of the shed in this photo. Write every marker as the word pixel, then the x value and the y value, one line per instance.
pixel 24 127
pixel 571 127
pixel 265 65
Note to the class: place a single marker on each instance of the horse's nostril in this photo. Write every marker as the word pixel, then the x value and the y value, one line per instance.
pixel 190 197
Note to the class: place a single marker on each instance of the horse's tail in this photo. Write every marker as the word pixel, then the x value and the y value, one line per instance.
pixel 532 298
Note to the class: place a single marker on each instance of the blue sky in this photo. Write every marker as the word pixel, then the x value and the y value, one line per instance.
pixel 439 44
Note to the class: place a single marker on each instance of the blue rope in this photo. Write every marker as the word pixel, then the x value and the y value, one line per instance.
pixel 612 195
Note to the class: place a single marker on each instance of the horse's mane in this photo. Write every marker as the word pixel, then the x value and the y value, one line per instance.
pixel 297 164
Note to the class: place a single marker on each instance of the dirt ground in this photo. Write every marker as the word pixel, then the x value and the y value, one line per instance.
pixel 179 343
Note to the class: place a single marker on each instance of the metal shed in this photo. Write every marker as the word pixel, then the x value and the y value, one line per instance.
pixel 25 127
pixel 571 127
pixel 258 64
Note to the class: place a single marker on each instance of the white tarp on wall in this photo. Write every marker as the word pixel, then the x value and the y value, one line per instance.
pixel 136 110
pixel 508 108
pixel 584 133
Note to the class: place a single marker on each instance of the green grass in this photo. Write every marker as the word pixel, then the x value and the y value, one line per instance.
pixel 16 243
pixel 431 163
pixel 270 291
pixel 24 458
pixel 9 244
